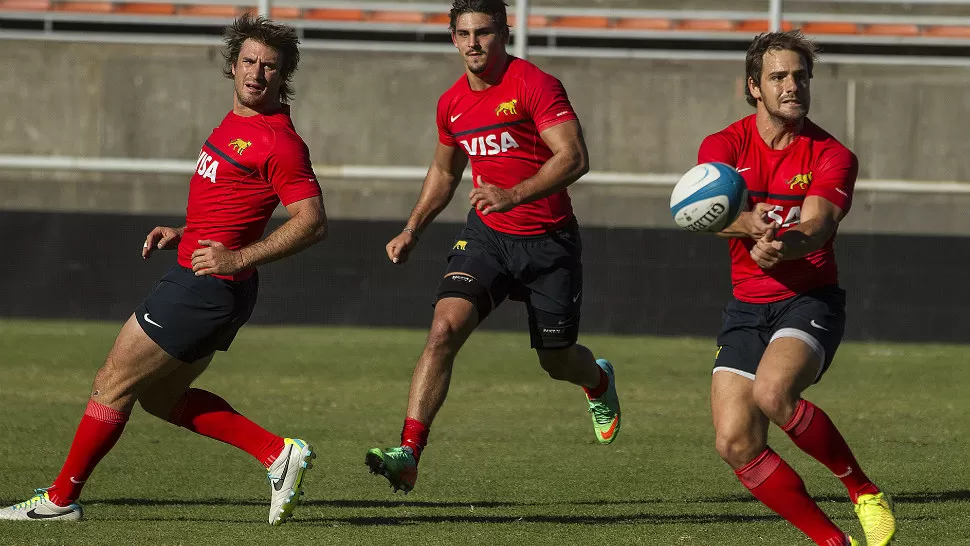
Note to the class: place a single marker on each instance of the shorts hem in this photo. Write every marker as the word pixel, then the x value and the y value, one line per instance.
pixel 742 373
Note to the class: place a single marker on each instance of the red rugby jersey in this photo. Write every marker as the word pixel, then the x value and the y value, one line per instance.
pixel 498 129
pixel 247 166
pixel 814 164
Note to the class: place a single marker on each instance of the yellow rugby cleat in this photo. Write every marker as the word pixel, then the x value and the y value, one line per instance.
pixel 876 516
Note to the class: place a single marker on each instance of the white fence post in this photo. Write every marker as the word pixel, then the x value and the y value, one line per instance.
pixel 774 15
pixel 522 28
pixel 263 7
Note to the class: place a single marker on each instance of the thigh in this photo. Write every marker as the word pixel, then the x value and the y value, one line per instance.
pixel 161 396
pixel 244 301
pixel 134 362
pixel 548 277
pixel 474 280
pixel 191 317
pixel 740 427
pixel 817 320
pixel 475 270
pixel 742 340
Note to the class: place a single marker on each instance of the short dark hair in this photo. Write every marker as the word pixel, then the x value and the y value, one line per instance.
pixel 493 8
pixel 792 40
pixel 278 36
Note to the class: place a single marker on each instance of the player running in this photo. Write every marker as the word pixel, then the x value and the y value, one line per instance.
pixel 782 329
pixel 521 241
pixel 249 164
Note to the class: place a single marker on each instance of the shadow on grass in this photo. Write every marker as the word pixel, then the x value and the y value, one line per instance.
pixel 901 497
pixel 641 519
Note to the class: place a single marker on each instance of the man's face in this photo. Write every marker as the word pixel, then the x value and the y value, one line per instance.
pixel 478 40
pixel 256 74
pixel 785 86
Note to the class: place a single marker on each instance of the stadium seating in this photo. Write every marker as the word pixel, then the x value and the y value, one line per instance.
pixel 601 22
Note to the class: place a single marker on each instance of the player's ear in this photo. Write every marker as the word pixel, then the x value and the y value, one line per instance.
pixel 454 39
pixel 508 34
pixel 754 89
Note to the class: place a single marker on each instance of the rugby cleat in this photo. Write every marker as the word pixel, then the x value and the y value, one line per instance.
pixel 605 410
pixel 40 507
pixel 397 464
pixel 285 477
pixel 876 516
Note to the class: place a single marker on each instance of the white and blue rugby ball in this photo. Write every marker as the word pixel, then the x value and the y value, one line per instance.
pixel 708 197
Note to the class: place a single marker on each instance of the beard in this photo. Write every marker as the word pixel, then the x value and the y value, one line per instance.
pixel 247 98
pixel 789 115
pixel 478 69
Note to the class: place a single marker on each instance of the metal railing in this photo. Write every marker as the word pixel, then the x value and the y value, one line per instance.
pixel 408 173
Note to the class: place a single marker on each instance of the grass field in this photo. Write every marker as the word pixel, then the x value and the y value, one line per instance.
pixel 512 457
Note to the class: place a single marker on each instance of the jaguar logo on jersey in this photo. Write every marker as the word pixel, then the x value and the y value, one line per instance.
pixel 803 181
pixel 460 245
pixel 492 144
pixel 507 108
pixel 239 145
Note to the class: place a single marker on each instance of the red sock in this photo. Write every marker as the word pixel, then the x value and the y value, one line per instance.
pixel 812 431
pixel 415 436
pixel 98 432
pixel 599 389
pixel 207 414
pixel 777 486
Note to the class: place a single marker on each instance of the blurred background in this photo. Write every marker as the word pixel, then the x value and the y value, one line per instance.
pixel 105 105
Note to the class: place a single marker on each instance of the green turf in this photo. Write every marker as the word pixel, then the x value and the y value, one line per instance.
pixel 512 458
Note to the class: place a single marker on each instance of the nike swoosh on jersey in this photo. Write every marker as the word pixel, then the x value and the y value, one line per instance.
pixel 453 118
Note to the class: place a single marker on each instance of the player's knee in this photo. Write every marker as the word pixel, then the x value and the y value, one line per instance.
pixel 737 448
pixel 155 406
pixel 109 376
pixel 775 402
pixel 466 287
pixel 444 335
pixel 556 362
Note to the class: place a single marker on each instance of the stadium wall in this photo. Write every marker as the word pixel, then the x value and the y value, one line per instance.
pixel 377 108
pixel 637 280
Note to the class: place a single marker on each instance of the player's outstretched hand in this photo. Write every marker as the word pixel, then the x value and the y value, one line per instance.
pixel 488 198
pixel 758 223
pixel 400 247
pixel 215 259
pixel 768 252
pixel 162 238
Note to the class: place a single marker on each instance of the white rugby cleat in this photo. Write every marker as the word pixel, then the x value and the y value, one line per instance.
pixel 40 507
pixel 286 478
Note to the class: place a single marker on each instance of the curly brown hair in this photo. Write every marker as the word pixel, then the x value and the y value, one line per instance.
pixel 792 40
pixel 278 36
pixel 494 8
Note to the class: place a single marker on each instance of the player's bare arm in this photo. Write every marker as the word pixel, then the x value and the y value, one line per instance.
pixel 443 177
pixel 162 238
pixel 569 161
pixel 307 225
pixel 820 218
pixel 752 224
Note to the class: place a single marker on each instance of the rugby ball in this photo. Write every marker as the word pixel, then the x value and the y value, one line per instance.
pixel 708 197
